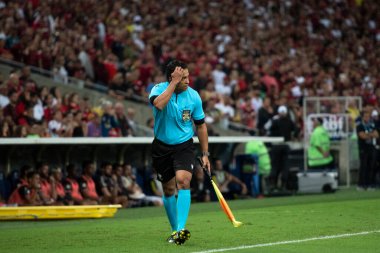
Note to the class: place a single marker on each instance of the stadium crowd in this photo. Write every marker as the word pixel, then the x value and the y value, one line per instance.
pixel 246 58
pixel 29 110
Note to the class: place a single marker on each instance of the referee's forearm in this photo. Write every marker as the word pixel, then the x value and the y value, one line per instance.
pixel 162 100
pixel 203 137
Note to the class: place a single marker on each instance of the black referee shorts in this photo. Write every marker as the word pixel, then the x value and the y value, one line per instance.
pixel 167 159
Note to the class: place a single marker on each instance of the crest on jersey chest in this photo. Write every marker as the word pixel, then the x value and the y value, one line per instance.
pixel 186 115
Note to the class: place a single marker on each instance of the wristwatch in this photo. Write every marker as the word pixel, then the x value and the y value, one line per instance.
pixel 205 153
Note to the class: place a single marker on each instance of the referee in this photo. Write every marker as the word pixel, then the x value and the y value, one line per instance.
pixel 175 107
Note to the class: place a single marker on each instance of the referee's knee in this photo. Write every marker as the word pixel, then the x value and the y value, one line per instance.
pixel 169 190
pixel 183 183
pixel 183 179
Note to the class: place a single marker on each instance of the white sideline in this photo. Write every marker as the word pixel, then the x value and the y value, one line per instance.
pixel 289 242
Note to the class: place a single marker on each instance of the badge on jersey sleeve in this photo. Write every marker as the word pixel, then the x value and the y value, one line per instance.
pixel 186 115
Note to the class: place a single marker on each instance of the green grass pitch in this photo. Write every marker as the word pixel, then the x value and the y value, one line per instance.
pixel 268 220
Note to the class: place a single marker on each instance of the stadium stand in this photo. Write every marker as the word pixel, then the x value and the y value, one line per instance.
pixel 240 49
pixel 246 58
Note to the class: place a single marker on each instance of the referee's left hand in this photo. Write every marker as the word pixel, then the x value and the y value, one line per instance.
pixel 206 163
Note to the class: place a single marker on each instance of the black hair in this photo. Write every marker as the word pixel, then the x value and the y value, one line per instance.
pixel 11 92
pixel 115 166
pixel 25 169
pixel 86 163
pixel 171 67
pixel 41 164
pixel 52 90
pixel 105 164
pixel 31 174
pixel 70 168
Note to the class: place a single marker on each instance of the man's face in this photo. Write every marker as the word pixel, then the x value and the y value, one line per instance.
pixel 58 116
pixel 108 170
pixel 128 170
pixel 315 123
pixel 184 82
pixel 45 170
pixel 14 98
pixel 92 168
pixel 119 170
pixel 58 175
pixel 366 117
pixel 34 182
pixel 218 165
pixel 119 109
pixel 267 102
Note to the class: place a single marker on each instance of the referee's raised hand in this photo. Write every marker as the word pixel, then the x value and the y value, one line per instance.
pixel 177 75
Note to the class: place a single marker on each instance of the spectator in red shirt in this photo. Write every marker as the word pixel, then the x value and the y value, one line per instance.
pixel 24 170
pixel 28 194
pixel 47 182
pixel 72 187
pixel 63 197
pixel 74 103
pixel 87 184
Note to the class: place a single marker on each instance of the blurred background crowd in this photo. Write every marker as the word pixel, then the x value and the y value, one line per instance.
pixel 249 60
pixel 246 58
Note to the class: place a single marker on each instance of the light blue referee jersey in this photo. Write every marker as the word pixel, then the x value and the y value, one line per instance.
pixel 173 124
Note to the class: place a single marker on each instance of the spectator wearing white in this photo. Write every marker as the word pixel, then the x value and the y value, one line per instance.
pixel 218 76
pixel 61 75
pixel 4 100
pixel 133 188
pixel 223 39
pixel 86 60
pixel 101 29
pixel 57 96
pixel 55 125
pixel 131 112
pixel 125 127
pixel 224 105
pixel 256 100
pixel 38 109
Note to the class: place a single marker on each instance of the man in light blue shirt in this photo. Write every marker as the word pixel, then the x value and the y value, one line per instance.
pixel 175 107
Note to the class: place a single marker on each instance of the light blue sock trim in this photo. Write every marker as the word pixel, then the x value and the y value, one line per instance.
pixel 170 204
pixel 183 208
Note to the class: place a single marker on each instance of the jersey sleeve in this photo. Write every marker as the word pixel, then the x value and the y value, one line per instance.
pixel 198 113
pixel 156 90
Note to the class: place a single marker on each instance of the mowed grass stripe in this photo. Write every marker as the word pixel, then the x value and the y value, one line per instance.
pixel 267 220
pixel 289 242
